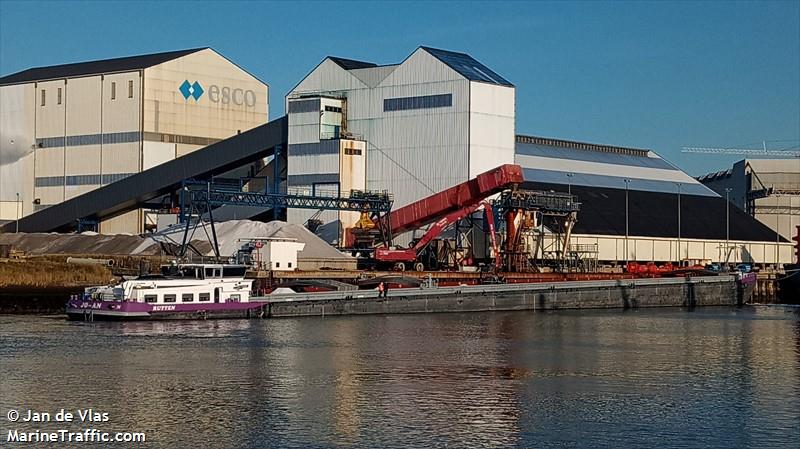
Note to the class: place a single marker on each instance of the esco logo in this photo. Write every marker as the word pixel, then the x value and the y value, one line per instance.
pixel 226 95
pixel 216 94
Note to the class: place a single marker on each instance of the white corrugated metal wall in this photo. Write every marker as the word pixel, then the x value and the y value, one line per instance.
pixel 17 116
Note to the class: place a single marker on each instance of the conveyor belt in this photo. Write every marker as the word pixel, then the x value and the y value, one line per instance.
pixel 130 193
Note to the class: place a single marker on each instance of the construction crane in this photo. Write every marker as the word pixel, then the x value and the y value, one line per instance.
pixel 791 151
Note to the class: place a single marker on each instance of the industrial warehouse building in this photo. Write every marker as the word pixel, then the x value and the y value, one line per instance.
pixel 441 117
pixel 430 122
pixel 669 217
pixel 767 189
pixel 415 128
pixel 69 129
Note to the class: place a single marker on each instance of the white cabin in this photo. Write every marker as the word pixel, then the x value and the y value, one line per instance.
pixel 201 283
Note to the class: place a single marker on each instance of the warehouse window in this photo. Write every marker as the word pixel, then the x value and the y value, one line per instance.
pixel 333 109
pixel 113 90
pixel 304 106
pixel 82 180
pixel 42 97
pixel 352 151
pixel 58 100
pixel 130 89
pixel 48 181
pixel 423 102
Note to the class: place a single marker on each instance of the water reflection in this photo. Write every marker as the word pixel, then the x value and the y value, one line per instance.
pixel 712 377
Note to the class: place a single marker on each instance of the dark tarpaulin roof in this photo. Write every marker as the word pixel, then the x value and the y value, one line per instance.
pixel 655 214
pixel 94 67
pixel 351 64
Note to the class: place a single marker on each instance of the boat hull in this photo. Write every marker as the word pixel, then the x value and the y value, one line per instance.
pixel 90 310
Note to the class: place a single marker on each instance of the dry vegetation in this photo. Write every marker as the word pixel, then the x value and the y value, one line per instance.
pixel 43 274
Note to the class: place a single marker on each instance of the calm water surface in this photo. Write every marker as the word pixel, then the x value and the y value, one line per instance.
pixel 713 377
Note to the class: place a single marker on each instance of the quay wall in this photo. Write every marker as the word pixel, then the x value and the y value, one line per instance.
pixel 627 293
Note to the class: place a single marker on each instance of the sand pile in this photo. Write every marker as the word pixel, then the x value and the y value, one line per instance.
pixel 230 235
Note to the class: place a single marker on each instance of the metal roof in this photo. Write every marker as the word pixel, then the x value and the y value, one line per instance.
pixel 614 182
pixel 350 64
pixel 594 156
pixel 467 66
pixel 593 165
pixel 655 214
pixel 94 67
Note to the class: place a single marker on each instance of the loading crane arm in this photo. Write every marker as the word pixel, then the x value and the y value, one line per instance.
pixel 410 255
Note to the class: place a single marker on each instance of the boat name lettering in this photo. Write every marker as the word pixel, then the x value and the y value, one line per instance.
pixel 91 305
pixel 162 308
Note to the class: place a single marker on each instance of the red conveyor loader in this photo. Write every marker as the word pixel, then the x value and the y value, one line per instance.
pixel 447 207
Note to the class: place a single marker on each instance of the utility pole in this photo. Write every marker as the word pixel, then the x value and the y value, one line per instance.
pixel 627 182
pixel 679 223
pixel 16 226
pixel 569 182
pixel 727 221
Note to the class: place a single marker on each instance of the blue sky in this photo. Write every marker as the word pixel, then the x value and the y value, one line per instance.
pixel 655 75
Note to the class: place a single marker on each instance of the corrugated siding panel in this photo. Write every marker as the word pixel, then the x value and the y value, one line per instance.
pixel 421 68
pixel 17 112
pixel 121 158
pixel 83 160
pixel 306 161
pixel 83 100
pixel 412 153
pixel 304 133
pixel 122 113
pixel 492 137
pixel 328 76
pixel 374 75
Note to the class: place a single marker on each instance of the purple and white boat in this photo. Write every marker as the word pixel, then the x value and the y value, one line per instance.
pixel 187 291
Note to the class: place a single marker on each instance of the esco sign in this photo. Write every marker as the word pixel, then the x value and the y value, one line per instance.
pixel 226 95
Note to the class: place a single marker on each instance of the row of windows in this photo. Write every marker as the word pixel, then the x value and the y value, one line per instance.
pixel 88 139
pixel 304 106
pixel 187 297
pixel 352 151
pixel 423 102
pixel 113 92
pixel 83 180
pixel 79 180
pixel 176 138
pixel 333 109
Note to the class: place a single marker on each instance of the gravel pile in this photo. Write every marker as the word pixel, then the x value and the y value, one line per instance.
pixel 230 235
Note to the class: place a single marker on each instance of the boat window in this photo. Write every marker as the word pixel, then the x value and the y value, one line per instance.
pixel 205 296
pixel 150 298
pixel 236 271
pixel 169 298
pixel 236 298
pixel 187 297
pixel 189 272
pixel 217 272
